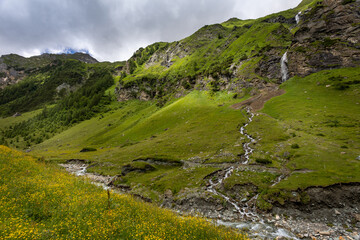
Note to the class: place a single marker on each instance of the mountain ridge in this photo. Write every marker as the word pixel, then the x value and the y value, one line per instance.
pixel 14 68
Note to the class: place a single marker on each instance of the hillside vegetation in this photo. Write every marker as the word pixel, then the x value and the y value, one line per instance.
pixel 201 131
pixel 40 201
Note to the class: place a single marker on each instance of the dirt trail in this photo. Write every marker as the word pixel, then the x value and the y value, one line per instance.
pixel 257 102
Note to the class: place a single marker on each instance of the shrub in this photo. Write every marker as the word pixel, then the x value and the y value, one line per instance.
pixel 341 86
pixel 263 161
pixel 88 149
pixel 295 146
pixel 328 42
pixel 348 1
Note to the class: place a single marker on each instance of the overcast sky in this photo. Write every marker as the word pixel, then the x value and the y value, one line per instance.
pixel 114 29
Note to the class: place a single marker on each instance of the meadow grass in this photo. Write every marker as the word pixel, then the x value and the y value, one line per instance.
pixel 8 121
pixel 40 201
pixel 321 121
pixel 199 127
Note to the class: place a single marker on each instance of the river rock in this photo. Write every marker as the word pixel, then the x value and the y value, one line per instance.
pixel 281 238
pixel 168 193
pixel 324 233
pixel 356 216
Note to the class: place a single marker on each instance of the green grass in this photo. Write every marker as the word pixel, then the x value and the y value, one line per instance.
pixel 320 119
pixel 8 121
pixel 261 180
pixel 199 126
pixel 40 201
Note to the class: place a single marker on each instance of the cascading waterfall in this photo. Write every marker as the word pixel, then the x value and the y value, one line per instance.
pixel 248 150
pixel 297 17
pixel 247 211
pixel 284 67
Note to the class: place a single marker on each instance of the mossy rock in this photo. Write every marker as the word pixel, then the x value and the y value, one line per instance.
pixel 263 161
pixel 140 167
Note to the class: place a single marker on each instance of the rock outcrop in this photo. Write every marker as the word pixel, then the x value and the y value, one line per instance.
pixel 328 38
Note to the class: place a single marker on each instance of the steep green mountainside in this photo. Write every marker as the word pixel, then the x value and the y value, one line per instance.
pixel 244 56
pixel 195 111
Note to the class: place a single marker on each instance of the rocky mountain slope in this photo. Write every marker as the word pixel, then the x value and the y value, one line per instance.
pixel 328 37
pixel 245 55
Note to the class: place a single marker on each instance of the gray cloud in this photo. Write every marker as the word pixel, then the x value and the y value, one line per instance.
pixel 113 29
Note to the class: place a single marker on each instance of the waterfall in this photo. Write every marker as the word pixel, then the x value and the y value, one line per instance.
pixel 284 67
pixel 297 17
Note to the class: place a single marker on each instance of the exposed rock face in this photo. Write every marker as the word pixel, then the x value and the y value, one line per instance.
pixel 280 19
pixel 8 75
pixel 329 37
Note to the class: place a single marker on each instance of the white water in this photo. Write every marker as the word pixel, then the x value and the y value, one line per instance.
pixel 248 150
pixel 246 212
pixel 262 230
pixel 297 17
pixel 278 179
pixel 80 170
pixel 284 67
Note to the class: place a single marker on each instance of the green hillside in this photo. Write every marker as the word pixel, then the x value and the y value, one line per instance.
pixel 201 130
pixel 246 114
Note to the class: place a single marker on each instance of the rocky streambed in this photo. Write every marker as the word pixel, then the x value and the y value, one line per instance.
pixel 317 220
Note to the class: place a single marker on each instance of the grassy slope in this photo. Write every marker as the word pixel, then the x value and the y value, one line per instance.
pixel 8 121
pixel 198 125
pixel 40 201
pixel 323 121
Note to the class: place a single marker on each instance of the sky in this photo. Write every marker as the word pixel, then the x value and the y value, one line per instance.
pixel 112 30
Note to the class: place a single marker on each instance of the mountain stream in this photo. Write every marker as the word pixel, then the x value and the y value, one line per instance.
pixel 257 227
